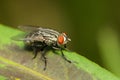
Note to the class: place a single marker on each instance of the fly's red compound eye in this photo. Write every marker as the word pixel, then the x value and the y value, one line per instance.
pixel 61 39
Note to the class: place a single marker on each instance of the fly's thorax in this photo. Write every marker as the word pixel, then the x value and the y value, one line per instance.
pixel 50 40
pixel 62 39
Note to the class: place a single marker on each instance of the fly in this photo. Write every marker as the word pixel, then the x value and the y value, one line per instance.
pixel 40 39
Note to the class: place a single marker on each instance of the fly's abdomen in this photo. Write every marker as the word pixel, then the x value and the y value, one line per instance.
pixel 33 37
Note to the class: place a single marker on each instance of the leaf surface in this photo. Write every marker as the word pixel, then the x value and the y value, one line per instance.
pixel 16 63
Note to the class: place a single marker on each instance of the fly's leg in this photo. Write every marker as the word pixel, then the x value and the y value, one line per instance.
pixel 65 57
pixel 35 52
pixel 61 53
pixel 45 60
pixel 65 46
pixel 43 57
pixel 36 48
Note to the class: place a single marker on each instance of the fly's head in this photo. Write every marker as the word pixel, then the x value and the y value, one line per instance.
pixel 63 39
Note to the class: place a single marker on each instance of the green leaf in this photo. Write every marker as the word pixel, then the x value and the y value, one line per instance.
pixel 3 78
pixel 17 63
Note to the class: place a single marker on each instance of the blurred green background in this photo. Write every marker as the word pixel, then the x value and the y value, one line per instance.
pixel 93 26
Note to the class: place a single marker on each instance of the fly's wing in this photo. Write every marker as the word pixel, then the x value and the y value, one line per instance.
pixel 42 33
pixel 28 28
pixel 20 37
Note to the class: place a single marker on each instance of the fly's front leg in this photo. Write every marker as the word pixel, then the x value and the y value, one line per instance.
pixel 64 56
pixel 54 48
pixel 65 46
